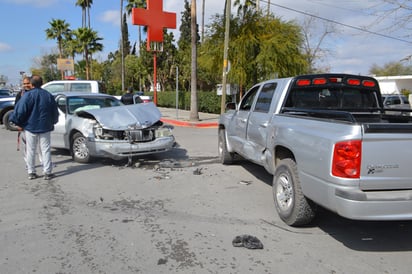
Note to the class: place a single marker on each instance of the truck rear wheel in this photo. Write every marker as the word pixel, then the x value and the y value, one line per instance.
pixel 225 156
pixel 292 206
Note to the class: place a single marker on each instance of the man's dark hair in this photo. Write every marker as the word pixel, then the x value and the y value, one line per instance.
pixel 36 81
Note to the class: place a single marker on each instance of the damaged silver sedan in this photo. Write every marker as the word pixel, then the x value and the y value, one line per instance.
pixel 99 125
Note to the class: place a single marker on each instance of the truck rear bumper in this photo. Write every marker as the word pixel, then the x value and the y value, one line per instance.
pixel 374 205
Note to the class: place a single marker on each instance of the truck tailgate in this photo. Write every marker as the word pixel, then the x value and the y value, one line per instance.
pixel 386 157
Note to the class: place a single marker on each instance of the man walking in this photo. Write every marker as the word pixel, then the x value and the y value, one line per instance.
pixel 36 112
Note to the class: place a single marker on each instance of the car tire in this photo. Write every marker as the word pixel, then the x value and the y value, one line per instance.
pixel 7 123
pixel 225 156
pixel 79 150
pixel 292 206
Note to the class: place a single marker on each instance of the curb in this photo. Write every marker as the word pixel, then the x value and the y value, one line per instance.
pixel 190 124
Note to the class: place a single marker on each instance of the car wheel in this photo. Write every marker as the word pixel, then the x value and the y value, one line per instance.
pixel 292 206
pixel 79 150
pixel 225 156
pixel 7 123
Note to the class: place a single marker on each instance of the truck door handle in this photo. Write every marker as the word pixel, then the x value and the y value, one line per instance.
pixel 264 125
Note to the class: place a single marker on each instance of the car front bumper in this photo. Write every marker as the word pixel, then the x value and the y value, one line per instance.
pixel 116 149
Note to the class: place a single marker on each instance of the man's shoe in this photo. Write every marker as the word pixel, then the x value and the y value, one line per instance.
pixel 48 176
pixel 32 176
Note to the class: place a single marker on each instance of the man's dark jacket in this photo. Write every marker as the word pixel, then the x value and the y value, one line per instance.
pixel 36 111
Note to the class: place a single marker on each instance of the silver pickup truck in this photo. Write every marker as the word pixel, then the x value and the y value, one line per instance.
pixel 328 141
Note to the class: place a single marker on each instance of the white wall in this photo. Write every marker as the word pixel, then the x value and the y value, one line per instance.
pixel 394 84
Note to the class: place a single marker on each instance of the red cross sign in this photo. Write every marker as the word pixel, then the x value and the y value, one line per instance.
pixel 155 19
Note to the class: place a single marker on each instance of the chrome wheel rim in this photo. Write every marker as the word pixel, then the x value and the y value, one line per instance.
pixel 284 192
pixel 80 149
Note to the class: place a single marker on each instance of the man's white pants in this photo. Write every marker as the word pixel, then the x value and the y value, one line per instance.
pixel 32 141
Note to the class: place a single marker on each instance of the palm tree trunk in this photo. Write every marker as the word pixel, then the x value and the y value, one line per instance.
pixel 194 115
pixel 203 19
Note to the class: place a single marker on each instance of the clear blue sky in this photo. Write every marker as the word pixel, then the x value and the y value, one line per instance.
pixel 23 22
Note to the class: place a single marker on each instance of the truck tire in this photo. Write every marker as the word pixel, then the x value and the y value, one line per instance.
pixel 79 150
pixel 225 156
pixel 7 123
pixel 292 206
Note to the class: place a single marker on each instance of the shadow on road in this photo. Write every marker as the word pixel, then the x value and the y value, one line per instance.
pixel 376 236
pixel 366 235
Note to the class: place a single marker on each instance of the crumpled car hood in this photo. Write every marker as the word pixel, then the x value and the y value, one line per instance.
pixel 124 117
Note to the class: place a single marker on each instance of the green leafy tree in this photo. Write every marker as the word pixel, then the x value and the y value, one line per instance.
pixel 166 62
pixel 46 66
pixel 88 44
pixel 261 47
pixel 136 72
pixel 391 68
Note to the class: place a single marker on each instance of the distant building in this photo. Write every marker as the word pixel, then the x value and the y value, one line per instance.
pixel 394 84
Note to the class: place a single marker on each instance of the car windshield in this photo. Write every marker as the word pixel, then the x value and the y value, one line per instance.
pixel 84 103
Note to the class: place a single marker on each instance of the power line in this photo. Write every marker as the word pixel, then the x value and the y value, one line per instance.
pixel 339 23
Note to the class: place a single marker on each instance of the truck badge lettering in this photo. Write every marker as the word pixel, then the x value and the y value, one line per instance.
pixel 372 169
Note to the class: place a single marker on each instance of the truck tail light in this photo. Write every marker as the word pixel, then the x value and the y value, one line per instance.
pixel 353 82
pixel 368 83
pixel 346 160
pixel 319 81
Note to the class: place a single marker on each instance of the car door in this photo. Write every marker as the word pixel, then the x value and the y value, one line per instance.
pixel 238 125
pixel 256 133
pixel 59 134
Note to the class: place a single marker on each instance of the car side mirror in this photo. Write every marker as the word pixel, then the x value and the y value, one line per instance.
pixel 231 105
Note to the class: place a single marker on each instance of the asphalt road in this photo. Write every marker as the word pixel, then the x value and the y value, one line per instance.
pixel 176 212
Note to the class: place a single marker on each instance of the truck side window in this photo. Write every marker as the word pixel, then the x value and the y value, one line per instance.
pixel 265 98
pixel 56 87
pixel 81 87
pixel 248 99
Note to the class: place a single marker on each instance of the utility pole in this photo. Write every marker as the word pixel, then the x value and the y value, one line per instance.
pixel 122 44
pixel 225 56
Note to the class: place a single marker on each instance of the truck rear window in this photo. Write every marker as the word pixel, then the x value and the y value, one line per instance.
pixel 343 98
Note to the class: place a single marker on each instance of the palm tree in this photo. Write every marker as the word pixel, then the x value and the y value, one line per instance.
pixel 85 5
pixel 247 7
pixel 136 4
pixel 58 30
pixel 88 43
pixel 130 5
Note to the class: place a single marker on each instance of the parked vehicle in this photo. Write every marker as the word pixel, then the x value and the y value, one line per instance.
pixel 138 98
pixel 74 86
pixel 6 108
pixel 146 98
pixel 99 125
pixel 5 92
pixel 396 101
pixel 328 141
